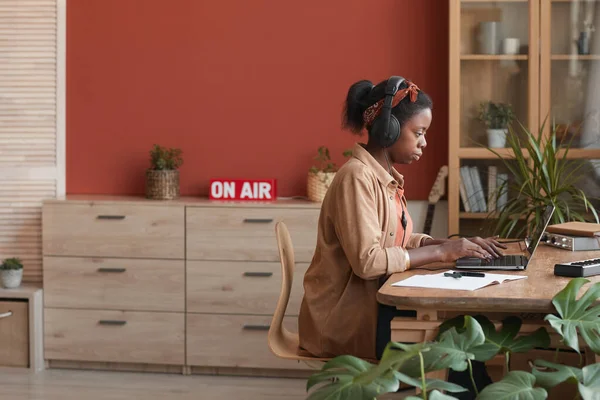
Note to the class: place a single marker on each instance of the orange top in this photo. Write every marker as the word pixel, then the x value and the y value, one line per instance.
pixel 400 234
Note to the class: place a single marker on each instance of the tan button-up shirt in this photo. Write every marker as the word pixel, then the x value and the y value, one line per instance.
pixel 355 250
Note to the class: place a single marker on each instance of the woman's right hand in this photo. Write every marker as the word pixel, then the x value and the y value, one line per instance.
pixel 454 249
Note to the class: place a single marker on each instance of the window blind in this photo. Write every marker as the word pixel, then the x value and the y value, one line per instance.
pixel 31 124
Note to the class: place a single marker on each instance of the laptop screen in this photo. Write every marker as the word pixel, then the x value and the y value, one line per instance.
pixel 540 229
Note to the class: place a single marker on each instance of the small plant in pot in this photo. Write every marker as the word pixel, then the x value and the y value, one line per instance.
pixel 11 273
pixel 321 176
pixel 496 117
pixel 162 178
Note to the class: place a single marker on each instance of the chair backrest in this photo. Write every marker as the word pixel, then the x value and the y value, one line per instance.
pixel 286 255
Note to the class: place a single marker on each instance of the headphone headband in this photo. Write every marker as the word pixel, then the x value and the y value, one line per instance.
pixel 384 126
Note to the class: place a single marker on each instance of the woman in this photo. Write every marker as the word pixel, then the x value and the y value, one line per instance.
pixel 365 232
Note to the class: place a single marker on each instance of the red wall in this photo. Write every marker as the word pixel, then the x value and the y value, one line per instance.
pixel 245 88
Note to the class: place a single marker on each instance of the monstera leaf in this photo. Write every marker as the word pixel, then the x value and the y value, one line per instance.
pixel 562 373
pixel 397 356
pixel 590 388
pixel 577 315
pixel 455 350
pixel 344 371
pixel 503 341
pixel 516 385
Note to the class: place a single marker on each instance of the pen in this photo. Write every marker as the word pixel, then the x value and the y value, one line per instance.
pixel 461 274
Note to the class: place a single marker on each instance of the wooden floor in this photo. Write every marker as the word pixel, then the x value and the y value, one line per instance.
pixel 57 384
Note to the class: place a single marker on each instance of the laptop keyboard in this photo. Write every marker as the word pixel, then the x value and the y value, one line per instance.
pixel 504 260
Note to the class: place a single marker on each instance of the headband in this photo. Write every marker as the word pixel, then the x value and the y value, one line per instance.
pixel 373 111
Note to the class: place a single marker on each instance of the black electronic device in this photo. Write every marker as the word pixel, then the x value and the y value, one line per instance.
pixel 577 269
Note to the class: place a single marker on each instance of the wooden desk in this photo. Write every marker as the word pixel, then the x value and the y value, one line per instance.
pixel 530 299
pixel 531 295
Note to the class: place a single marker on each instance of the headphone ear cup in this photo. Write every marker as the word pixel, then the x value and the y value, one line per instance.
pixel 386 135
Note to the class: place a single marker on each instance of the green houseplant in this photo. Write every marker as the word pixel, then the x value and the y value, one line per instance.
pixel 466 338
pixel 321 175
pixel 162 178
pixel 497 117
pixel 540 173
pixel 11 272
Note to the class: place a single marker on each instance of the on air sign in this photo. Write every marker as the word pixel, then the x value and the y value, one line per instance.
pixel 242 189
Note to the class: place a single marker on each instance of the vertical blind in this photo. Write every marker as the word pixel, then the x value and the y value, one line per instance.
pixel 31 124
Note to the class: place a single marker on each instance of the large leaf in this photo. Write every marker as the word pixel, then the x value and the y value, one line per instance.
pixel 590 389
pixel 345 371
pixel 397 357
pixel 561 373
pixel 577 315
pixel 502 341
pixel 454 348
pixel 516 385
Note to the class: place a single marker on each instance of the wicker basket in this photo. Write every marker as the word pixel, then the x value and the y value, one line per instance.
pixel 162 184
pixel 318 184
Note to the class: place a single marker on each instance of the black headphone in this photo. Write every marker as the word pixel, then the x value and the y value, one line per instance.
pixel 386 127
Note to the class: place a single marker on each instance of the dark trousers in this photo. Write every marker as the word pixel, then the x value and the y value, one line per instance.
pixel 480 375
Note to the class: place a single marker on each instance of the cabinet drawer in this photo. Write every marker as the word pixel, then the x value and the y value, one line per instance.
pixel 14 334
pixel 238 287
pixel 114 336
pixel 225 233
pixel 234 341
pixel 108 283
pixel 114 230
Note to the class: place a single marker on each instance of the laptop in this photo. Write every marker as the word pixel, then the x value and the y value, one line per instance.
pixel 511 262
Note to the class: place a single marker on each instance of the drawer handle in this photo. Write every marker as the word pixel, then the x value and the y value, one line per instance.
pixel 111 270
pixel 251 327
pixel 6 314
pixel 265 274
pixel 111 217
pixel 111 322
pixel 258 220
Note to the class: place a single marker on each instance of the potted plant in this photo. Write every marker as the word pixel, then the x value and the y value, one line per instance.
pixel 320 176
pixel 162 178
pixel 497 118
pixel 540 174
pixel 11 272
pixel 468 338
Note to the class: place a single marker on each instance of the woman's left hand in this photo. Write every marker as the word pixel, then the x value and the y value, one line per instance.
pixel 490 244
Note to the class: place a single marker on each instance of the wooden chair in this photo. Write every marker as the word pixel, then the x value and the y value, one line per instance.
pixel 283 343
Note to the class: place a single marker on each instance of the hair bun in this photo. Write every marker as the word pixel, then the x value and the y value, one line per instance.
pixel 356 104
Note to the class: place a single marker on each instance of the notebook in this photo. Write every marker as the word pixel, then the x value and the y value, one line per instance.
pixel 439 281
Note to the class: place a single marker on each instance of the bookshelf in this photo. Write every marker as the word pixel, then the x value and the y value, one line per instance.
pixel 547 67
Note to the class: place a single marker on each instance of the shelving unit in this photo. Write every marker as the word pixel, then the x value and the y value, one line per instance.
pixel 550 75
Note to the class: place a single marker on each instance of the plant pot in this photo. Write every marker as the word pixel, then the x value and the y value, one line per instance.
pixel 11 278
pixel 497 137
pixel 317 185
pixel 162 184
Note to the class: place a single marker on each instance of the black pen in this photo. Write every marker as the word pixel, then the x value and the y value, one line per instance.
pixel 461 274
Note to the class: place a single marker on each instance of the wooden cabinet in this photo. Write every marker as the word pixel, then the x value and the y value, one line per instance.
pixel 14 331
pixel 191 283
pixel 534 56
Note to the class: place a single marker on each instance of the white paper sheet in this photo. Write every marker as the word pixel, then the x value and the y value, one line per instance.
pixel 439 281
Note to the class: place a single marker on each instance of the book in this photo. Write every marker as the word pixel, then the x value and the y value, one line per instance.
pixel 575 228
pixel 492 173
pixel 465 174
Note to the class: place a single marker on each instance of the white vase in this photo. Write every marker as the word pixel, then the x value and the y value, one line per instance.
pixel 497 137
pixel 11 278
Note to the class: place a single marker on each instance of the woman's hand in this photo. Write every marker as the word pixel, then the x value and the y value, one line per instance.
pixel 451 250
pixel 491 245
